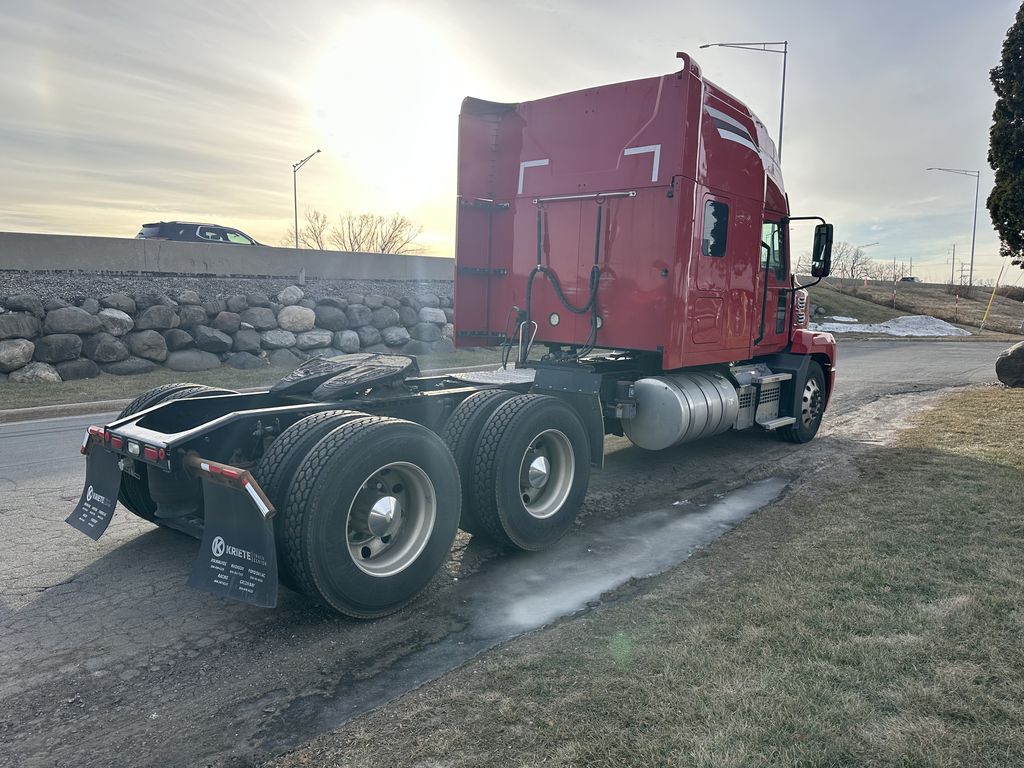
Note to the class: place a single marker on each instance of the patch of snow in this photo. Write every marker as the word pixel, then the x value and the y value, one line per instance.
pixel 841 319
pixel 908 325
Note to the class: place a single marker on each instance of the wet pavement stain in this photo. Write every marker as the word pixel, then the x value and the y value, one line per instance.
pixel 519 593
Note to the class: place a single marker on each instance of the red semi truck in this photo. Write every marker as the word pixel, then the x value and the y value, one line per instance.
pixel 628 246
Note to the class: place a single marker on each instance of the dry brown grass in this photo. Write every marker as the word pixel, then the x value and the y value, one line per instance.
pixel 1006 315
pixel 875 625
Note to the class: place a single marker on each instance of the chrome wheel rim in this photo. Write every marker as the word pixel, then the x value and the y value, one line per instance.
pixel 811 408
pixel 390 519
pixel 546 472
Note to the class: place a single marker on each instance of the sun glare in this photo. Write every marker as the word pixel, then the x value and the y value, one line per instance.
pixel 386 97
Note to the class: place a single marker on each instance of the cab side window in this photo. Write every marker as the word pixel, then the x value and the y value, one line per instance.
pixel 775 257
pixel 716 228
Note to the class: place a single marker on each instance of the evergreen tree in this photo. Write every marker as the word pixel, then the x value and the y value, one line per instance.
pixel 1006 145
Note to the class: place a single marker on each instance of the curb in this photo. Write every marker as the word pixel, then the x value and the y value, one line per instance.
pixel 14 415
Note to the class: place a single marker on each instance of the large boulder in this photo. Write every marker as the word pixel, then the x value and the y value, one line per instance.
pixel 189 297
pixel 144 301
pixel 115 321
pixel 290 295
pixel 71 320
pixel 213 307
pixel 277 338
pixel 449 314
pixel 296 319
pixel 177 339
pixel 1010 365
pixel 355 298
pixel 81 368
pixel 419 348
pixel 313 339
pixel 35 373
pixel 257 299
pixel 428 300
pixel 333 301
pixel 90 305
pixel 148 345
pixel 283 358
pixel 236 303
pixel 373 300
pixel 15 354
pixel 384 317
pixel 58 347
pixel 432 315
pixel 260 318
pixel 130 366
pixel 120 301
pixel 19 325
pixel 246 340
pixel 158 317
pixel 190 315
pixel 104 348
pixel 368 336
pixel 331 318
pixel 426 332
pixel 408 316
pixel 227 322
pixel 395 336
pixel 210 339
pixel 447 331
pixel 192 360
pixel 245 361
pixel 25 302
pixel 358 314
pixel 390 302
pixel 307 303
pixel 346 341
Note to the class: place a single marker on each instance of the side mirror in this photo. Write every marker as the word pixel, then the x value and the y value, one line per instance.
pixel 821 256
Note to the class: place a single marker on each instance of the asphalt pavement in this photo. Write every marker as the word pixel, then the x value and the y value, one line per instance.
pixel 110 659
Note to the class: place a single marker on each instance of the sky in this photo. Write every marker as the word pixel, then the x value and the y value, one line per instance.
pixel 119 112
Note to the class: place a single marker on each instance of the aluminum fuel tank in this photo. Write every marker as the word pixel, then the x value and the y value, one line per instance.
pixel 681 407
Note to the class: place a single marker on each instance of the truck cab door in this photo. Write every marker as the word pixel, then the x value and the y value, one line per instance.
pixel 774 268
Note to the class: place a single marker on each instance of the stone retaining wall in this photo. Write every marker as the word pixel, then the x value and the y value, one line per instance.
pixel 56 340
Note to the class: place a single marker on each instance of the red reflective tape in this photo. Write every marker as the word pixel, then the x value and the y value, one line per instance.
pixel 234 474
pixel 215 470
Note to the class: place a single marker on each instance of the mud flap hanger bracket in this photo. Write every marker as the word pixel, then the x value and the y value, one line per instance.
pixel 232 477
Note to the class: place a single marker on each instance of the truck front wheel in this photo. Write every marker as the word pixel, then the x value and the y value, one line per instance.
pixel 375 506
pixel 812 407
pixel 531 472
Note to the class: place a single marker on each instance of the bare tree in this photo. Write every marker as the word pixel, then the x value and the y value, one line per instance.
pixel 313 232
pixel 375 233
pixel 359 232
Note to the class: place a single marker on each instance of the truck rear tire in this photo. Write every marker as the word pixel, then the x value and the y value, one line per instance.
pixel 531 472
pixel 276 468
pixel 812 407
pixel 461 434
pixel 373 512
pixel 134 492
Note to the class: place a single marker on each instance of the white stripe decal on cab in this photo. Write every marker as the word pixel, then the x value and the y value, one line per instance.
pixel 529 164
pixel 655 149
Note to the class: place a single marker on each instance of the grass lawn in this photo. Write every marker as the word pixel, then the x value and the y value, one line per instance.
pixel 845 305
pixel 877 623
pixel 108 387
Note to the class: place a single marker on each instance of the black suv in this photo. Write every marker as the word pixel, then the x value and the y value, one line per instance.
pixel 192 232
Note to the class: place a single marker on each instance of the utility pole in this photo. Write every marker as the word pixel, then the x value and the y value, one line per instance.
pixel 952 270
pixel 295 190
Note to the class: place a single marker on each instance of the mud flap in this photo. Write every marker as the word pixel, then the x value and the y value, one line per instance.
pixel 237 558
pixel 99 497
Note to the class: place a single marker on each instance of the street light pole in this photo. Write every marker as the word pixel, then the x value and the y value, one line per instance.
pixel 974 229
pixel 295 190
pixel 765 49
